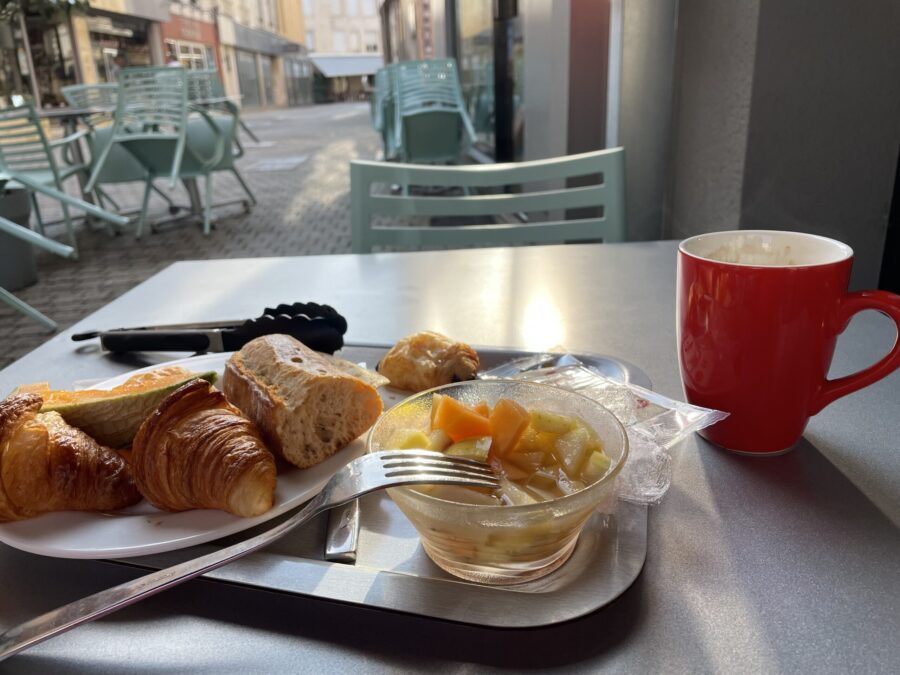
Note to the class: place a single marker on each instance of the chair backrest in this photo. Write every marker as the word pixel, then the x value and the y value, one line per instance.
pixel 430 89
pixel 23 143
pixel 103 98
pixel 201 84
pixel 608 194
pixel 152 101
pixel 151 120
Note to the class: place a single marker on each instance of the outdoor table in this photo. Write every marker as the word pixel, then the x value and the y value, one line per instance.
pixel 753 564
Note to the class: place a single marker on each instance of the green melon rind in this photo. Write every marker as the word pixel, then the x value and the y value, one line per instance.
pixel 115 421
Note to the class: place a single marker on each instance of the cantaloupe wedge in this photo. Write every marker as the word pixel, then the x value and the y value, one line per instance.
pixel 112 417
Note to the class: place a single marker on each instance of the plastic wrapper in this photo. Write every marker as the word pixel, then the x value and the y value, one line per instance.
pixel 655 423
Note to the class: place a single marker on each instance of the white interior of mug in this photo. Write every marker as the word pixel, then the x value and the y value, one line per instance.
pixel 766 248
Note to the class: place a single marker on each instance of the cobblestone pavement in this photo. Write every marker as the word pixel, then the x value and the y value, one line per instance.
pixel 303 209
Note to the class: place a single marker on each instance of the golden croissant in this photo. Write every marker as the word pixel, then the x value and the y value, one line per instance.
pixel 196 451
pixel 48 465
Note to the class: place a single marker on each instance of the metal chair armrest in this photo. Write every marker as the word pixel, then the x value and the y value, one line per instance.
pixel 220 140
pixel 71 138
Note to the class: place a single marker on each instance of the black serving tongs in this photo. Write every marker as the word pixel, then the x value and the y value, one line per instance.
pixel 319 327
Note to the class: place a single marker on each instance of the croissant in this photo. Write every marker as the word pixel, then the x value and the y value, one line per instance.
pixel 196 451
pixel 48 465
pixel 424 360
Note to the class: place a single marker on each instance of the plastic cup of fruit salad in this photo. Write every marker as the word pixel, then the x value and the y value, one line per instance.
pixel 556 452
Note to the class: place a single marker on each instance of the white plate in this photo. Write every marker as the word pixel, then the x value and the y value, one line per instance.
pixel 142 529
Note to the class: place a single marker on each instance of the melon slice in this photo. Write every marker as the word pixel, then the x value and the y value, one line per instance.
pixel 112 417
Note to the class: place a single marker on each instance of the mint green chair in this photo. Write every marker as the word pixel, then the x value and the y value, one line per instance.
pixel 120 166
pixel 170 138
pixel 608 195
pixel 432 125
pixel 28 158
pixel 383 110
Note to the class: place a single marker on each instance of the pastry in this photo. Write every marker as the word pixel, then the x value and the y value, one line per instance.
pixel 424 360
pixel 305 404
pixel 196 451
pixel 48 465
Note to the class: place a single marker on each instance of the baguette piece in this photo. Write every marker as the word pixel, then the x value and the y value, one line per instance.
pixel 305 406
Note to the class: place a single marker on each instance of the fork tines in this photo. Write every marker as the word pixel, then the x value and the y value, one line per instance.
pixel 436 466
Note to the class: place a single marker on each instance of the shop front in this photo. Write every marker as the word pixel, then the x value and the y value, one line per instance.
pixel 120 34
pixel 262 68
pixel 192 42
pixel 37 59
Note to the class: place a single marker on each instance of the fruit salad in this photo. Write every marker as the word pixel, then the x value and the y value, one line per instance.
pixel 539 455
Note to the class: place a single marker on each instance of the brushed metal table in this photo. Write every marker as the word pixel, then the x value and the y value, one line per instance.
pixel 753 565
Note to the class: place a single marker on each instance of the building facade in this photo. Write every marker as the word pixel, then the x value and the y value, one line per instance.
pixel 256 45
pixel 344 40
pixel 261 62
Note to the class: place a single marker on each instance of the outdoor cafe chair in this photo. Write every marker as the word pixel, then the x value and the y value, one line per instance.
pixel 120 166
pixel 169 137
pixel 432 124
pixel 27 159
pixel 383 110
pixel 608 195
pixel 206 85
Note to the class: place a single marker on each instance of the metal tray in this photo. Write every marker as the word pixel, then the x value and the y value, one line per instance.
pixel 392 571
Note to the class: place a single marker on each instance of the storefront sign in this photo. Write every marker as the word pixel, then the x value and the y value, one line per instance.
pixel 154 10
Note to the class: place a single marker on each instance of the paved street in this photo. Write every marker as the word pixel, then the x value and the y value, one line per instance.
pixel 303 209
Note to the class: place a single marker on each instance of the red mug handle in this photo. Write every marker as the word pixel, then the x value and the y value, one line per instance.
pixel 884 302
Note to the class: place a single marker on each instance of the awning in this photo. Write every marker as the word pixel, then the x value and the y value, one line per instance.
pixel 346 65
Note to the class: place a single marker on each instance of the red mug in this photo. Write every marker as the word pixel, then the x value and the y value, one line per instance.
pixel 758 316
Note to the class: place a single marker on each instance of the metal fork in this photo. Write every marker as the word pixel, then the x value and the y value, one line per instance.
pixel 389 468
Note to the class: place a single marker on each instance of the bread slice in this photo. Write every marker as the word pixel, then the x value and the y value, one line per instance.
pixel 306 407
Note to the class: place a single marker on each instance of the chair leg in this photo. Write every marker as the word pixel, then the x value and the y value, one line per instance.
pixel 70 228
pixel 244 185
pixel 37 212
pixel 27 309
pixel 163 195
pixel 207 206
pixel 143 217
pixel 104 195
pixel 102 198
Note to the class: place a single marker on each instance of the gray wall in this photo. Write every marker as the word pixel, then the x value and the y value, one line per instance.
pixel 645 109
pixel 716 50
pixel 545 31
pixel 787 116
pixel 825 123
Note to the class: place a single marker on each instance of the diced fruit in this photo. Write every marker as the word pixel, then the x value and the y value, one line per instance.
pixel 596 467
pixel 542 420
pixel 509 420
pixel 435 404
pixel 568 486
pixel 512 471
pixel 408 439
pixel 571 450
pixel 512 494
pixel 546 480
pixel 471 448
pixel 438 440
pixel 535 441
pixel 525 460
pixel 483 409
pixel 459 421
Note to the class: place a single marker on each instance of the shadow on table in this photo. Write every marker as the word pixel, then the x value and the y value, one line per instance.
pixel 810 560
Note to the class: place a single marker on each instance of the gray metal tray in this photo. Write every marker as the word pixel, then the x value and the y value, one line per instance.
pixel 392 571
